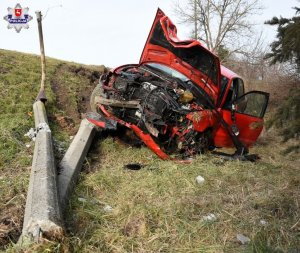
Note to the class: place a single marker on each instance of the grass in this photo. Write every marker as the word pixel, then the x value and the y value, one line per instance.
pixel 159 208
pixel 19 85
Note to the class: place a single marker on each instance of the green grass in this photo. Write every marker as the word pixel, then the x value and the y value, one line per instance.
pixel 159 208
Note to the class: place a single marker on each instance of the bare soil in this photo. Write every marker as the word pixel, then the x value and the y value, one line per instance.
pixel 63 91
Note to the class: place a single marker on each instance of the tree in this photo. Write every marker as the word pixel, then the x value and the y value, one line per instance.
pixel 287 49
pixel 287 46
pixel 219 22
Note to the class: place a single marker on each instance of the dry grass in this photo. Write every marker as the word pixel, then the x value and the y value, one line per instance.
pixel 160 208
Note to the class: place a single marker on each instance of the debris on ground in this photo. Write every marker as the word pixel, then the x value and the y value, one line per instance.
pixel 263 222
pixel 243 239
pixel 200 180
pixel 133 166
pixel 107 209
pixel 209 218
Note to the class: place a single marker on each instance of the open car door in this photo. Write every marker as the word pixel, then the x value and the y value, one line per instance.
pixel 245 117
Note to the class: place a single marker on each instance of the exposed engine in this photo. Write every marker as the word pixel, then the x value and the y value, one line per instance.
pixel 157 104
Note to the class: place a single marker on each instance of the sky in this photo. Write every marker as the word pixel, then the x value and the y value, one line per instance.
pixel 98 32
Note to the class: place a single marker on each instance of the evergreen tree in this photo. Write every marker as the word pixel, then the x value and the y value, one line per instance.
pixel 287 49
pixel 287 46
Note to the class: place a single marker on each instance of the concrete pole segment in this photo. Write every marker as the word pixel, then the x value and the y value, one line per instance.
pixel 70 165
pixel 42 212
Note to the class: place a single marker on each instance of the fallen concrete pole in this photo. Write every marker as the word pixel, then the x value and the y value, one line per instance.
pixel 42 212
pixel 70 165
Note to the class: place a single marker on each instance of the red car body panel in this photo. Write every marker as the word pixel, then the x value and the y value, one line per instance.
pixel 249 130
pixel 203 120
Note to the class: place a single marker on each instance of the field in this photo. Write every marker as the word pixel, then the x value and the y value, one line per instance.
pixel 160 208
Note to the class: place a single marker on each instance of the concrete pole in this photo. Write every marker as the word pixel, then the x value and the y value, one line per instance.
pixel 71 164
pixel 42 216
pixel 41 95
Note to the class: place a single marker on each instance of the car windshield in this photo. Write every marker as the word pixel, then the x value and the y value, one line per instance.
pixel 169 71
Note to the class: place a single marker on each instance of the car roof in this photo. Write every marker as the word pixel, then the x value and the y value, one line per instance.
pixel 228 73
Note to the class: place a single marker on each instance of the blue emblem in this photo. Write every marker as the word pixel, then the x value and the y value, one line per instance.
pixel 18 18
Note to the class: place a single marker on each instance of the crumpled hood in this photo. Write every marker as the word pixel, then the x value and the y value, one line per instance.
pixel 188 57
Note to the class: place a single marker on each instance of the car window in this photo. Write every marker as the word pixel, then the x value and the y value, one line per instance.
pixel 224 83
pixel 254 103
pixel 235 91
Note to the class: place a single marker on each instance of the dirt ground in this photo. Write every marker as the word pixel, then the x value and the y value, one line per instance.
pixel 73 114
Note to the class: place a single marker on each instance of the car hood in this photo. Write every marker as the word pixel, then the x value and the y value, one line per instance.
pixel 188 56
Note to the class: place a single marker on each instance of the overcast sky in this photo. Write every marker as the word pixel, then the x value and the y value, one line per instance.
pixel 104 32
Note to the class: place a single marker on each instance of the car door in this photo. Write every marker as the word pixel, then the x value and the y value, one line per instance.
pixel 245 116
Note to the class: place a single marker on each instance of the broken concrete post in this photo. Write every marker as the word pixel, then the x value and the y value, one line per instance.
pixel 70 165
pixel 42 212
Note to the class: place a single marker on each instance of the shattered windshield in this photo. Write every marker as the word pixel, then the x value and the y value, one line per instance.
pixel 169 71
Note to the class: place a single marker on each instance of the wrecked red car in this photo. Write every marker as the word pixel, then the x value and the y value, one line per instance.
pixel 179 100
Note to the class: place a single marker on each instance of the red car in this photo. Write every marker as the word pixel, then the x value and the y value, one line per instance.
pixel 179 100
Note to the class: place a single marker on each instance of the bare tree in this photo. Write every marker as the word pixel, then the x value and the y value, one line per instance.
pixel 219 22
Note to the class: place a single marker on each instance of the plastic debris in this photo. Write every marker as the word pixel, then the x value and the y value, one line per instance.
pixel 263 222
pixel 243 239
pixel 209 218
pixel 28 145
pixel 107 209
pixel 200 180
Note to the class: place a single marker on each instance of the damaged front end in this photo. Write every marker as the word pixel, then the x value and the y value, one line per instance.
pixel 168 112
